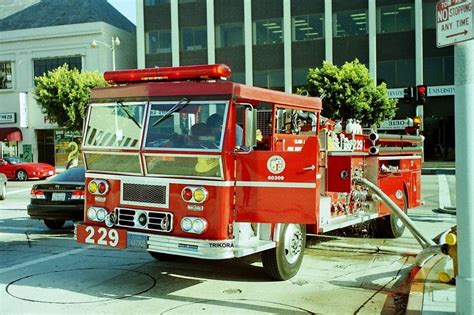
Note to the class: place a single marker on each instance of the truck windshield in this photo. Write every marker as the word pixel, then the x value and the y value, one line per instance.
pixel 116 125
pixel 186 125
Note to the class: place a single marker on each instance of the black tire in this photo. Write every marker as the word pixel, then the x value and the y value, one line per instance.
pixel 21 175
pixel 54 224
pixel 390 226
pixel 3 192
pixel 162 257
pixel 284 261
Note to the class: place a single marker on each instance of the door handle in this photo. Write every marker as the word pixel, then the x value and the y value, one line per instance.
pixel 309 168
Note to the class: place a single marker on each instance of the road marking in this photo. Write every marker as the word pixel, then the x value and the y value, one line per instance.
pixel 40 260
pixel 443 192
pixel 17 191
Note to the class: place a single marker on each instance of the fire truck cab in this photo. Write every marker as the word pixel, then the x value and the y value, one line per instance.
pixel 181 162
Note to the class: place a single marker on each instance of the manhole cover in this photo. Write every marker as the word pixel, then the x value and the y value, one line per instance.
pixel 89 285
pixel 242 306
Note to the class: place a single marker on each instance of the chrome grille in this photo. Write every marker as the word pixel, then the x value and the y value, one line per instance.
pixel 145 193
pixel 156 221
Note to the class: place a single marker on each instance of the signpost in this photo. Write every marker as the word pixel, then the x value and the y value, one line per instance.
pixel 454 22
pixel 454 26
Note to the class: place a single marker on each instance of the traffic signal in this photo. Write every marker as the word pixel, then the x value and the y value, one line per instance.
pixel 421 94
pixel 407 95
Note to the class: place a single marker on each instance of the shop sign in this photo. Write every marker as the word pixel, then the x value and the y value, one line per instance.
pixel 7 118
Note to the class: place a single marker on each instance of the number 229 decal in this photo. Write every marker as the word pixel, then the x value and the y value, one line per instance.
pixel 102 236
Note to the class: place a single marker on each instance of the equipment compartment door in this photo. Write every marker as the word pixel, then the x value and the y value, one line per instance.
pixel 278 187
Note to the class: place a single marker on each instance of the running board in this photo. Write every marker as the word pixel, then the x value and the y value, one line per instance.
pixel 345 221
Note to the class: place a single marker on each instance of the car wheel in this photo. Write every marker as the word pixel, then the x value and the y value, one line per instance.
pixel 3 192
pixel 284 261
pixel 54 224
pixel 21 175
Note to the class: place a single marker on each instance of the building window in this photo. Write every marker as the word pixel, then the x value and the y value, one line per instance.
pixel 230 35
pixel 307 27
pixel 438 70
pixel 299 76
pixel 6 75
pixel 193 38
pixel 395 18
pixel 158 42
pixel 48 64
pixel 272 79
pixel 268 31
pixel 154 3
pixel 350 23
pixel 396 73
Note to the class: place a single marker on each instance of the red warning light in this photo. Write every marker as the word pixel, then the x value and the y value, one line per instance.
pixel 199 72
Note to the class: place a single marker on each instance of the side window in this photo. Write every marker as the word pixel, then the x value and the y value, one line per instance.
pixel 296 122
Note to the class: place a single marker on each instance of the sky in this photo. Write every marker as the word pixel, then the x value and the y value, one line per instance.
pixel 127 8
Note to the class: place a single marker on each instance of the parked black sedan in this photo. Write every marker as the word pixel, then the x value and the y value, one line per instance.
pixel 59 199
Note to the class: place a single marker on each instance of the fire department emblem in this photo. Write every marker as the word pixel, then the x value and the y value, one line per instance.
pixel 276 164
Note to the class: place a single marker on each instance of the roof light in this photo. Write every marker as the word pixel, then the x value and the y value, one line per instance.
pixel 206 72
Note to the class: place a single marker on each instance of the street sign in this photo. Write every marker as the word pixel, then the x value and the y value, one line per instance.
pixel 396 124
pixel 454 22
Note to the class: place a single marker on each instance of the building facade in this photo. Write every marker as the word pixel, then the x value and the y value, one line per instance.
pixel 37 37
pixel 272 43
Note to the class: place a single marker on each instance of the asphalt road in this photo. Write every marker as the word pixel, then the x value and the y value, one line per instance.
pixel 43 271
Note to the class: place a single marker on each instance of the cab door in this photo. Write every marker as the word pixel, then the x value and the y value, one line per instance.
pixel 278 187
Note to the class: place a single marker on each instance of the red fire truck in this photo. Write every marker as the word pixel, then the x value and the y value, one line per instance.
pixel 182 162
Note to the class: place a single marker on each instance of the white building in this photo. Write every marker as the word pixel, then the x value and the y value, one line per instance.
pixel 37 38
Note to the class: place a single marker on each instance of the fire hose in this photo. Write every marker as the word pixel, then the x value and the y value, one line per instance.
pixel 430 248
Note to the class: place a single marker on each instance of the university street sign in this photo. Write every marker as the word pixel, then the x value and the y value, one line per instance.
pixel 454 22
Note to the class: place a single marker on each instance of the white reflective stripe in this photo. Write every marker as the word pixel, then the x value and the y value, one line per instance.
pixel 163 179
pixel 276 184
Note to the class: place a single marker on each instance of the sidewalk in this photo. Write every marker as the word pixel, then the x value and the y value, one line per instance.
pixel 427 294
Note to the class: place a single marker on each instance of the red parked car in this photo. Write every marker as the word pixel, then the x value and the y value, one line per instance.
pixel 16 168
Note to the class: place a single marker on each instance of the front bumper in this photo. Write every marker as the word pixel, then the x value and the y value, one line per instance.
pixel 180 246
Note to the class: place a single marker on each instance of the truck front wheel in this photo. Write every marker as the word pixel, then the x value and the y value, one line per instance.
pixel 284 261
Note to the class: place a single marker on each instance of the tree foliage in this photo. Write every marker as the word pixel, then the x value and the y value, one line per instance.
pixel 349 92
pixel 63 95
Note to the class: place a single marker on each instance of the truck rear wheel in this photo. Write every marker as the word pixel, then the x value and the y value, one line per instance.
pixel 391 226
pixel 284 261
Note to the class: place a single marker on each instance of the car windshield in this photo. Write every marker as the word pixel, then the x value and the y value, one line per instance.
pixel 14 160
pixel 75 174
pixel 186 125
pixel 116 125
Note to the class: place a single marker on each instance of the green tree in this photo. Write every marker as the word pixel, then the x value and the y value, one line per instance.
pixel 63 95
pixel 349 92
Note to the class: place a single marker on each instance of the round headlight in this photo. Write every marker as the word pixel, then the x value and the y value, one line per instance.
pixel 92 187
pixel 101 214
pixel 199 225
pixel 186 224
pixel 92 214
pixel 200 195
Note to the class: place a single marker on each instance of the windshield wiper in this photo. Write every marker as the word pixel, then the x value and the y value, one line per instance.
pixel 128 114
pixel 176 108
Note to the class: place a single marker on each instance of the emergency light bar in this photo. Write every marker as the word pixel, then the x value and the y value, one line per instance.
pixel 203 72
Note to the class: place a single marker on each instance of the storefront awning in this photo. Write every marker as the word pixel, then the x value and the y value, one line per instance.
pixel 10 134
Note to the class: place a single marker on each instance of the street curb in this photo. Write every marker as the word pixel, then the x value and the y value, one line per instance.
pixel 417 287
pixel 436 171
